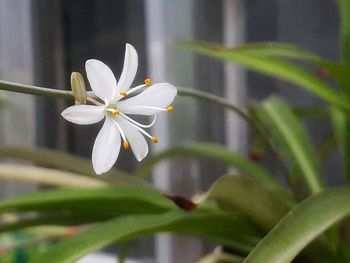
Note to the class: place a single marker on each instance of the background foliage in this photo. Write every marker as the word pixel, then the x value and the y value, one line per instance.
pixel 254 216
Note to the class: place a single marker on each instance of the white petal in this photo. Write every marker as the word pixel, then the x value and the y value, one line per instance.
pixel 136 140
pixel 129 68
pixel 106 148
pixel 159 95
pixel 101 79
pixel 84 114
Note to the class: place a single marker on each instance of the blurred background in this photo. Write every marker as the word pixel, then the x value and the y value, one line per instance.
pixel 42 42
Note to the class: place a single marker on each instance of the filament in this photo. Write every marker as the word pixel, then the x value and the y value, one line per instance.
pixel 139 124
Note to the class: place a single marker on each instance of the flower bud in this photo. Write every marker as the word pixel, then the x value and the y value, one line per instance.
pixel 78 87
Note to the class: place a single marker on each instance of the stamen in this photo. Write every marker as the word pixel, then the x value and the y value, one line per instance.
pixel 137 123
pixel 120 130
pixel 148 108
pixel 126 145
pixel 155 139
pixel 136 88
pixel 116 112
pixel 142 131
pixel 148 82
pixel 123 93
pixel 170 109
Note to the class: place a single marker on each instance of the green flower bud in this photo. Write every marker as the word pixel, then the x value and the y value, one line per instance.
pixel 78 87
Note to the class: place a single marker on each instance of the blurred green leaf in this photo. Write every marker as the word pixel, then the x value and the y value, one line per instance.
pixel 53 218
pixel 341 125
pixel 325 148
pixel 302 225
pixel 274 67
pixel 115 200
pixel 129 227
pixel 344 12
pixel 311 112
pixel 272 49
pixel 251 198
pixel 67 162
pixel 221 257
pixel 291 135
pixel 215 152
pixel 281 50
pixel 26 173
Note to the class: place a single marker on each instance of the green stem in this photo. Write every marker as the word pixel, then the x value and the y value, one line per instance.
pixel 33 90
pixel 257 126
pixel 214 99
pixel 64 94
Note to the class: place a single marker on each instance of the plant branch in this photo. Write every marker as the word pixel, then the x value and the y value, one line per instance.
pixel 68 95
pixel 34 90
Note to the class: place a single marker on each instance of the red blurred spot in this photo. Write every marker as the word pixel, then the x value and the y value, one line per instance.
pixel 255 154
pixel 72 230
pixel 323 73
pixel 182 202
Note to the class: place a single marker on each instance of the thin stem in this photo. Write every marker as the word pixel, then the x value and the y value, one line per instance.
pixel 255 124
pixel 64 94
pixel 214 99
pixel 33 90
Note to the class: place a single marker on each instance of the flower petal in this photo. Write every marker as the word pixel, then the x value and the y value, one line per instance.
pixel 84 114
pixel 101 79
pixel 106 148
pixel 136 140
pixel 129 69
pixel 159 95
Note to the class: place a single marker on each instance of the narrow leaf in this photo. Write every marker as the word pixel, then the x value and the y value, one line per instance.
pixel 215 152
pixel 109 199
pixel 289 132
pixel 344 11
pixel 249 197
pixel 302 225
pixel 26 173
pixel 67 162
pixel 274 67
pixel 126 228
pixel 341 125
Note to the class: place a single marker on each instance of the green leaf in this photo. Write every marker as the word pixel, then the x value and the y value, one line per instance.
pixel 26 173
pixel 67 162
pixel 251 198
pixel 311 112
pixel 52 218
pixel 291 135
pixel 218 256
pixel 273 49
pixel 281 50
pixel 341 125
pixel 115 200
pixel 344 11
pixel 274 67
pixel 218 153
pixel 129 227
pixel 302 225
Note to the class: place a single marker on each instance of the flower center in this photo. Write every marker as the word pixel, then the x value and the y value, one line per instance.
pixel 112 109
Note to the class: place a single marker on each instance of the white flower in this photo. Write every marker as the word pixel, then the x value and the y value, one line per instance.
pixel 117 104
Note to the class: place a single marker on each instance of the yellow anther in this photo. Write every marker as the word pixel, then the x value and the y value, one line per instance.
pixel 126 145
pixel 170 109
pixel 115 112
pixel 155 139
pixel 148 82
pixel 123 93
